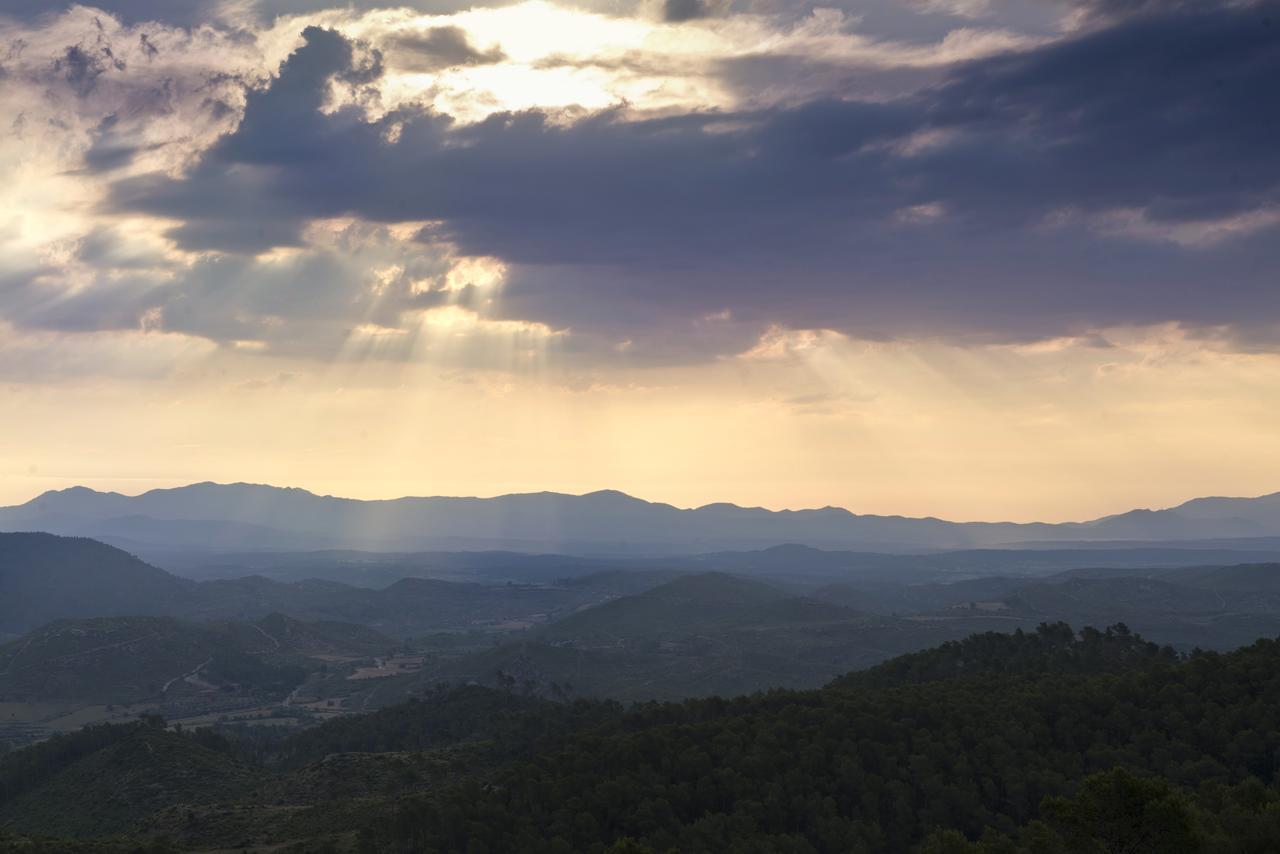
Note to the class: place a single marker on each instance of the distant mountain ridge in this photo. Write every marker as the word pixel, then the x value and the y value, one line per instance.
pixel 224 516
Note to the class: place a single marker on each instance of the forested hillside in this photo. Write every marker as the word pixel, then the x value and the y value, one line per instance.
pixel 1046 742
pixel 873 770
pixel 1051 649
pixel 110 778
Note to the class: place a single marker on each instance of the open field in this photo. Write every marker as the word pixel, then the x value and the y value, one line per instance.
pixel 23 723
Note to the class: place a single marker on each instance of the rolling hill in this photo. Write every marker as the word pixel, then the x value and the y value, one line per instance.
pixel 659 632
pixel 1049 741
pixel 687 605
pixel 110 660
pixel 1244 578
pixel 108 780
pixel 44 577
pixel 696 635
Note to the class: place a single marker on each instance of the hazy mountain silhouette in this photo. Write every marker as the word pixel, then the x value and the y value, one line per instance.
pixel 44 577
pixel 225 516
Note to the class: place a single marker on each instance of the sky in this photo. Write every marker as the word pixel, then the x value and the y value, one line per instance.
pixel 975 259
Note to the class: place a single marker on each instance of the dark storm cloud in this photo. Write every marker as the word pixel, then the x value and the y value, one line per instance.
pixel 675 11
pixel 781 78
pixel 1172 111
pixel 968 207
pixel 109 149
pixel 1128 8
pixel 81 67
pixel 181 13
pixel 191 13
pixel 438 48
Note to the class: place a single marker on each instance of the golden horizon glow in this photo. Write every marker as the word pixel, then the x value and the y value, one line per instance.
pixel 378 359
pixel 1063 431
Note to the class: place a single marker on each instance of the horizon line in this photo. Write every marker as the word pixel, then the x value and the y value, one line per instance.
pixel 623 493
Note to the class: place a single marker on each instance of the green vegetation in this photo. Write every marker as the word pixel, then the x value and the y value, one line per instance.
pixel 1118 811
pixel 505 724
pixel 874 770
pixel 131 659
pixel 108 778
pixel 1051 649
pixel 19 844
pixel 698 635
pixel 76 672
pixel 1035 743
pixel 1038 741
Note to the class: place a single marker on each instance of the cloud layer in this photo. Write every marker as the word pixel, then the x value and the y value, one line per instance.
pixel 1119 173
pixel 957 257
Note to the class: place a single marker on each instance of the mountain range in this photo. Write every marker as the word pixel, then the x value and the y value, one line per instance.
pixel 89 627
pixel 220 517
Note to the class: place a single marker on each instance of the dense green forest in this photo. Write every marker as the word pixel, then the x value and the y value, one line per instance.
pixel 1047 742
pixel 1053 649
pixel 873 770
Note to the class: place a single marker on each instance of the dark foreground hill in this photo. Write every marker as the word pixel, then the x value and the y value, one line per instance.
pixel 882 770
pixel 1143 753
pixel 107 779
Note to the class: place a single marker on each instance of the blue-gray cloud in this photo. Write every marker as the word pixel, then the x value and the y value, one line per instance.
pixel 437 48
pixel 814 214
pixel 178 12
pixel 191 13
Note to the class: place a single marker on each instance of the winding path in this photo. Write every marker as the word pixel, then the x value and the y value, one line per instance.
pixel 268 637
pixel 199 667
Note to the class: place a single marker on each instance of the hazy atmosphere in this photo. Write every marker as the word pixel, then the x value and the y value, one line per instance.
pixel 640 427
pixel 967 258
